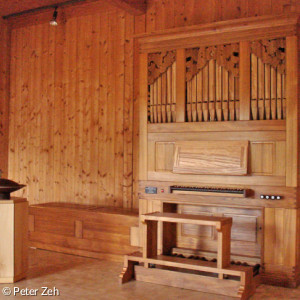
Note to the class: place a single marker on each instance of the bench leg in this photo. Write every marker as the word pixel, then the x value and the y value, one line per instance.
pixel 128 271
pixel 150 243
pixel 224 236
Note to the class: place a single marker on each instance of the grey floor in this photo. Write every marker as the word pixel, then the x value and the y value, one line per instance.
pixel 84 278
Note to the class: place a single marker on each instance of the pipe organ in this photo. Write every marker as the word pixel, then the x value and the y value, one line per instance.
pixel 219 136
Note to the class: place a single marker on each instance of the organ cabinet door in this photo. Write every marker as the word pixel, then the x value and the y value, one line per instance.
pixel 219 118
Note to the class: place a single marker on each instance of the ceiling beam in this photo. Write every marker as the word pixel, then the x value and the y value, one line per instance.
pixel 134 7
pixel 60 3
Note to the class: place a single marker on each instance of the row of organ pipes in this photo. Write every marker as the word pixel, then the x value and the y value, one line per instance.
pixel 268 99
pixel 163 97
pixel 213 94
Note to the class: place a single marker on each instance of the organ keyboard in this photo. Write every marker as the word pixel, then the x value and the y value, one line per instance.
pixel 209 191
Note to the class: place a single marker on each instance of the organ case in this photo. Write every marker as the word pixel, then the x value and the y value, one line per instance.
pixel 219 112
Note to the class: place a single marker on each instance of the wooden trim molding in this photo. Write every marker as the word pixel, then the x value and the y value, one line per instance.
pixel 220 33
pixel 143 117
pixel 228 126
pixel 292 110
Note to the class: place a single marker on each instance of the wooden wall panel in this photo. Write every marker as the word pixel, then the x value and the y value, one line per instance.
pixel 245 238
pixel 4 94
pixel 280 228
pixel 176 13
pixel 71 110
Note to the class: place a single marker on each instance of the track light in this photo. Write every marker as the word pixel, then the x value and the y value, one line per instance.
pixel 53 22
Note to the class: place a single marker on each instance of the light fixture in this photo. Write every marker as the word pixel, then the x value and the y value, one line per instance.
pixel 53 22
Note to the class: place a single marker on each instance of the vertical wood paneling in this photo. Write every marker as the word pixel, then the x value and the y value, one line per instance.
pixel 143 151
pixel 128 111
pixel 79 113
pixel 72 109
pixel 94 121
pixel 175 13
pixel 4 95
pixel 103 163
pixel 119 60
pixel 71 49
pixel 44 153
pixel 86 107
pixel 110 178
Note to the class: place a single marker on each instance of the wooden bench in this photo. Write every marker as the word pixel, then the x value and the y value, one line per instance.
pixel 85 230
pixel 222 225
pixel 231 280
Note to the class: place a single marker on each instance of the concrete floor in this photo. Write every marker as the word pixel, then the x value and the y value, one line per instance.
pixel 84 278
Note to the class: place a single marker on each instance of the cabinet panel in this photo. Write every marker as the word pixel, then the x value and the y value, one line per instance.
pixel 246 233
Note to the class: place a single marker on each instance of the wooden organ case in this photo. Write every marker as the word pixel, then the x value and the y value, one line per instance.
pixel 219 136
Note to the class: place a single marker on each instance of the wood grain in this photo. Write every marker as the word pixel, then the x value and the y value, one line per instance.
pixel 7 248
pixel 184 12
pixel 85 230
pixel 143 117
pixel 215 157
pixel 14 252
pixel 292 109
pixel 4 95
pixel 135 7
pixel 71 107
pixel 224 32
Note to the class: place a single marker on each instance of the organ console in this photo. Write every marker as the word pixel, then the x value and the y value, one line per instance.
pixel 219 138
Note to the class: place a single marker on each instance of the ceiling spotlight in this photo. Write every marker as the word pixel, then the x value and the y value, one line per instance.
pixel 53 22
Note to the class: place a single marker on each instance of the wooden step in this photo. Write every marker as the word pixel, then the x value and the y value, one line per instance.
pixel 196 265
pixel 241 285
pixel 189 281
pixel 218 222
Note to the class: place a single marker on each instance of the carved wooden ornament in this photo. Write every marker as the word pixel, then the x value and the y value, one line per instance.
pixel 226 56
pixel 158 63
pixel 271 52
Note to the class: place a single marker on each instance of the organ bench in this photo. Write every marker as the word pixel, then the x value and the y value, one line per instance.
pixel 215 277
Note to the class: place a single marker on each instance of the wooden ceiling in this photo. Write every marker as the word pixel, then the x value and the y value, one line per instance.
pixel 12 7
